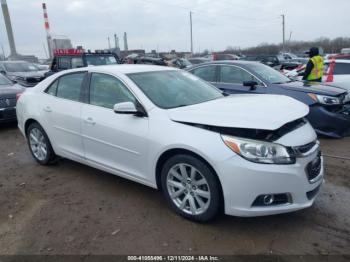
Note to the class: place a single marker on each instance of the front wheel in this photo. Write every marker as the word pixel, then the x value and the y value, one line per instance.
pixel 191 187
pixel 39 144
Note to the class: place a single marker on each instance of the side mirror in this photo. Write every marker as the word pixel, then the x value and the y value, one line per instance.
pixel 3 72
pixel 251 84
pixel 128 108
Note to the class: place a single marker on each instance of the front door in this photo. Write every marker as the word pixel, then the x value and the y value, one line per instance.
pixel 113 141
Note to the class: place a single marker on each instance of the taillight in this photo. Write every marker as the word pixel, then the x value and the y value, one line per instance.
pixel 18 95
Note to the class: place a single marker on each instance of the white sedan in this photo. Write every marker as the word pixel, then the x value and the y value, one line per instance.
pixel 248 155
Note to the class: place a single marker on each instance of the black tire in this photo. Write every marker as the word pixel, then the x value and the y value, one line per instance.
pixel 50 157
pixel 215 201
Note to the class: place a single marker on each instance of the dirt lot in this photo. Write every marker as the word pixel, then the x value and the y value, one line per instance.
pixel 69 208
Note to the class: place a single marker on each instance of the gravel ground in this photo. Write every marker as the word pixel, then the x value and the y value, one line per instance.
pixel 69 208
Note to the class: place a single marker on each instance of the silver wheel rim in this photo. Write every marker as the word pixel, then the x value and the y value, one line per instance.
pixel 38 144
pixel 188 189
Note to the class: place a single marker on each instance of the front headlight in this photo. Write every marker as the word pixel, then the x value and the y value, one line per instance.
pixel 258 151
pixel 325 100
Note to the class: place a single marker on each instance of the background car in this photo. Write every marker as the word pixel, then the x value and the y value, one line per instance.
pixel 198 60
pixel 25 73
pixel 220 56
pixel 65 59
pixel 276 61
pixel 179 63
pixel 329 108
pixel 9 93
pixel 168 129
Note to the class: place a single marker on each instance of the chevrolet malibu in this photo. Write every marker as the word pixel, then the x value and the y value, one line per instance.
pixel 170 130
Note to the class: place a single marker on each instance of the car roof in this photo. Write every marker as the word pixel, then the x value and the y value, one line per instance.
pixel 230 62
pixel 346 61
pixel 13 62
pixel 125 68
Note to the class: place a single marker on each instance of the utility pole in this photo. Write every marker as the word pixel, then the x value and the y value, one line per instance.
pixel 191 33
pixel 283 30
pixel 109 43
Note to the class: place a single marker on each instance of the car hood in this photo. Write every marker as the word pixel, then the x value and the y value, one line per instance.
pixel 317 88
pixel 10 90
pixel 267 112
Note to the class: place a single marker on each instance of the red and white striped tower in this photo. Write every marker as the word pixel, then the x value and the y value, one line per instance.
pixel 47 29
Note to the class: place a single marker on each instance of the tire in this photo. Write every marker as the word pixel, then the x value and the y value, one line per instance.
pixel 195 195
pixel 37 141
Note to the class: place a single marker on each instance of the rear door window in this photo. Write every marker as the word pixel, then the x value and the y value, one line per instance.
pixel 207 73
pixel 342 69
pixel 52 89
pixel 69 86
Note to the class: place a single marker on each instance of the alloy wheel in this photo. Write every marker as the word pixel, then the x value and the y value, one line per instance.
pixel 38 144
pixel 188 189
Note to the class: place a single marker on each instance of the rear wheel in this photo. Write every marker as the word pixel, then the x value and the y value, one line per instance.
pixel 39 145
pixel 191 187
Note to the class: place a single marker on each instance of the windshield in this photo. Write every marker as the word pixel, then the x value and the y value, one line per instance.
pixel 269 74
pixel 97 60
pixel 170 89
pixel 4 80
pixel 20 67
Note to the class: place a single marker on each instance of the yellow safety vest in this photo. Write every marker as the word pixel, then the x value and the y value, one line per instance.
pixel 317 70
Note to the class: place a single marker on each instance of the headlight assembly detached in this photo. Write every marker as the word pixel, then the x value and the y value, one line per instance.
pixel 325 100
pixel 259 151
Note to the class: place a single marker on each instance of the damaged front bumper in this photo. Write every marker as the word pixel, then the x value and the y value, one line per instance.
pixel 330 121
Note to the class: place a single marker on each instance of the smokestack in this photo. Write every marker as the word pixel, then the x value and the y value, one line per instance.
pixel 5 12
pixel 47 29
pixel 116 41
pixel 125 42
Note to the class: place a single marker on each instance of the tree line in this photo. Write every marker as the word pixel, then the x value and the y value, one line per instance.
pixel 330 46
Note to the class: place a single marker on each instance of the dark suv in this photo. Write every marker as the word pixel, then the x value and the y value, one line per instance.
pixel 329 106
pixel 73 58
pixel 273 61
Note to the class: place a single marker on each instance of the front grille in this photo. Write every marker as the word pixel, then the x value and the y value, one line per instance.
pixel 311 194
pixel 7 102
pixel 313 169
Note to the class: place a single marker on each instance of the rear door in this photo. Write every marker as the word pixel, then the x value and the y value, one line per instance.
pixel 61 110
pixel 116 142
pixel 231 78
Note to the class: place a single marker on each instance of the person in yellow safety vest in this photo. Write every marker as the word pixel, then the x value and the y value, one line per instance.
pixel 314 67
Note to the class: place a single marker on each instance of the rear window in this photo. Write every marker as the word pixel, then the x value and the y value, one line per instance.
pixel 342 69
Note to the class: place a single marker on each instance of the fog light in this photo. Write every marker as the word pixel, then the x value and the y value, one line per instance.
pixel 272 200
pixel 268 199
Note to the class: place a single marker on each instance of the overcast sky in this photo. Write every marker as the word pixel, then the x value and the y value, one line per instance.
pixel 164 24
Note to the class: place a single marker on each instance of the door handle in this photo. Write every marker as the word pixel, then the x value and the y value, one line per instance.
pixel 89 121
pixel 47 109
